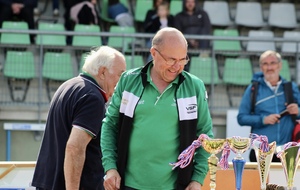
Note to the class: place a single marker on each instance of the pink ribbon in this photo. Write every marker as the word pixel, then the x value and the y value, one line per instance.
pixel 264 144
pixel 224 158
pixel 286 146
pixel 187 155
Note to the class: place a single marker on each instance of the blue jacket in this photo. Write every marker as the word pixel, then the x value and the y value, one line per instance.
pixel 268 102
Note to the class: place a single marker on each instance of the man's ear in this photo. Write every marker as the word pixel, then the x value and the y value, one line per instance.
pixel 101 72
pixel 152 51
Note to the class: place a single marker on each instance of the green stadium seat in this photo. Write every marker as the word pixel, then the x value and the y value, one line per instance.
pixel 117 42
pixel 206 69
pixel 81 62
pixel 237 73
pixel 227 47
pixel 285 70
pixel 57 68
pixel 87 41
pixel 175 7
pixel 19 69
pixel 141 9
pixel 15 38
pixel 134 61
pixel 202 67
pixel 51 39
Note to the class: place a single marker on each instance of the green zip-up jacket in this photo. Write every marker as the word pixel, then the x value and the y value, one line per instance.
pixel 193 119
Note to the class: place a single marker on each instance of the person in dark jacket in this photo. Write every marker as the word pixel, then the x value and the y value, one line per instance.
pixel 162 18
pixel 195 21
pixel 270 101
pixel 22 9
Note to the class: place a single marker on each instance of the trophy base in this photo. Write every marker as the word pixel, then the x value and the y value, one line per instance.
pixel 278 187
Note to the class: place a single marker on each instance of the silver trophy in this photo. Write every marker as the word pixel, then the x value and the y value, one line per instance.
pixel 238 145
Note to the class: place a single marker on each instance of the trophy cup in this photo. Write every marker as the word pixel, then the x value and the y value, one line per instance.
pixel 264 159
pixel 264 154
pixel 238 145
pixel 289 155
pixel 213 146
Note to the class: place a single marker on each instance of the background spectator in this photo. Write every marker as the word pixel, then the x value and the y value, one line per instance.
pixel 159 20
pixel 193 20
pixel 270 101
pixel 80 12
pixel 119 13
pixel 20 10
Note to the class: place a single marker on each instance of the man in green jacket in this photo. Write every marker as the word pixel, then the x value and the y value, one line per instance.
pixel 155 113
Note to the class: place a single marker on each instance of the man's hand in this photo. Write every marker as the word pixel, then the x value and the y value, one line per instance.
pixel 194 185
pixel 16 7
pixel 272 119
pixel 293 109
pixel 112 180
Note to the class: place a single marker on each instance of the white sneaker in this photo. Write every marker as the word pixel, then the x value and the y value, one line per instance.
pixel 36 11
pixel 55 12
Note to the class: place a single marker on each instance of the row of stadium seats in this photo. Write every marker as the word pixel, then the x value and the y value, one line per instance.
pixel 56 66
pixel 249 14
pixel 123 43
pixel 256 46
pixel 59 67
pixel 59 39
pixel 252 14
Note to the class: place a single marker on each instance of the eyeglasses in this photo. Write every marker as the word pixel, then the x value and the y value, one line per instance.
pixel 265 64
pixel 172 61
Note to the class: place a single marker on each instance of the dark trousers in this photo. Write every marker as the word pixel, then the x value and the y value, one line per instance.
pixel 55 4
pixel 26 14
pixel 252 157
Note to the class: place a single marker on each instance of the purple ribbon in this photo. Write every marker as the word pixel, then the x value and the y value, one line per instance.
pixel 224 158
pixel 264 144
pixel 286 146
pixel 187 155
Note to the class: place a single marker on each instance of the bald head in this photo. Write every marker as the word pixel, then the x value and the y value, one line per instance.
pixel 169 36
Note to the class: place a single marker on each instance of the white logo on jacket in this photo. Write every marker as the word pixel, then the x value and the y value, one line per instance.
pixel 188 108
pixel 128 103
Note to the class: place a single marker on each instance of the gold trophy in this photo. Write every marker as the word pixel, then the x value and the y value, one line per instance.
pixel 213 146
pixel 289 155
pixel 238 145
pixel 264 159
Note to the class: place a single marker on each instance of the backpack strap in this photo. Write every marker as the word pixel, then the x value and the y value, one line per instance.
pixel 288 92
pixel 253 95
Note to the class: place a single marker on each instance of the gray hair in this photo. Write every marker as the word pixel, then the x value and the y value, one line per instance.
pixel 104 56
pixel 268 53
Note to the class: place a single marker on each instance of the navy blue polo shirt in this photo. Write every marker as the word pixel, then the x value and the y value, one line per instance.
pixel 77 102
